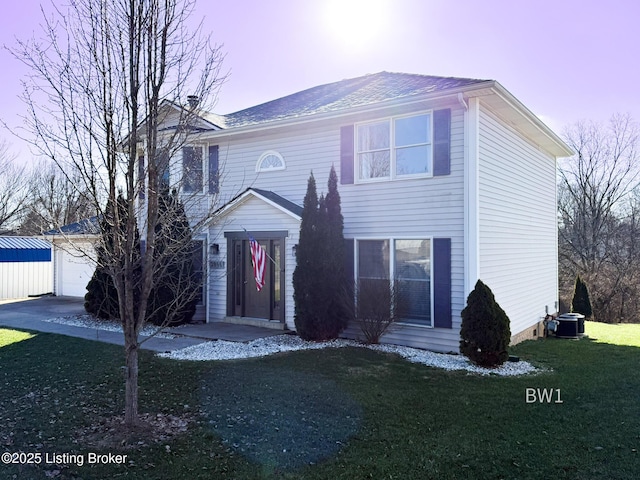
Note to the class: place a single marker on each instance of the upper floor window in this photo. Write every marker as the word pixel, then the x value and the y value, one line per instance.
pixel 397 147
pixel 192 169
pixel 270 161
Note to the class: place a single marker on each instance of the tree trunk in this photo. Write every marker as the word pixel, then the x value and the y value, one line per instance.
pixel 131 373
pixel 131 383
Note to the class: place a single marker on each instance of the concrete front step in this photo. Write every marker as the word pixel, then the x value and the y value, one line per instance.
pixel 256 322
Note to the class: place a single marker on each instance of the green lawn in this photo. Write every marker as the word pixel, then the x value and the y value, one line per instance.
pixel 333 414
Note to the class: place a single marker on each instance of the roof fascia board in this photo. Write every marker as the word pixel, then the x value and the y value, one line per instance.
pixel 508 98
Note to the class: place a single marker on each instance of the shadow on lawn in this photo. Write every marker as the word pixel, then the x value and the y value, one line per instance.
pixel 277 417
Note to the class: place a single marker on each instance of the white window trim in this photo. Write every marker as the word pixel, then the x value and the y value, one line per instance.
pixel 259 168
pixel 392 268
pixel 205 168
pixel 393 176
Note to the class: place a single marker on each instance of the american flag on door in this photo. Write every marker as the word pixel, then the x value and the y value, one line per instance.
pixel 259 261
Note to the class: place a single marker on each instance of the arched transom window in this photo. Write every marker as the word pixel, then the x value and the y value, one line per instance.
pixel 270 161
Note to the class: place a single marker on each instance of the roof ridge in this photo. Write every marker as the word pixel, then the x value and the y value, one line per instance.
pixel 344 94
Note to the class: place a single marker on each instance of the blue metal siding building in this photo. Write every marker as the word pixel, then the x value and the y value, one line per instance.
pixel 26 268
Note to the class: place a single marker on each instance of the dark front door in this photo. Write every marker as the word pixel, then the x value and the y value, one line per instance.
pixel 246 300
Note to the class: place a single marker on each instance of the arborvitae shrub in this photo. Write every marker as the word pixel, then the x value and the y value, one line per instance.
pixel 485 332
pixel 319 279
pixel 337 311
pixel 581 303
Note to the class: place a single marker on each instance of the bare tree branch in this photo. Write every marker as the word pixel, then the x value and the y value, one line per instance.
pixel 106 87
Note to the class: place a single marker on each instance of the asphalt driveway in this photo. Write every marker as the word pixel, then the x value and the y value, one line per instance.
pixel 30 314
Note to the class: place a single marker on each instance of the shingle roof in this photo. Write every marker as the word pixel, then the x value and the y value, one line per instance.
pixel 355 92
pixel 88 226
pixel 283 202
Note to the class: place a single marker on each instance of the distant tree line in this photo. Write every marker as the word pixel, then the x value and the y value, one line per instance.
pixel 599 218
pixel 36 200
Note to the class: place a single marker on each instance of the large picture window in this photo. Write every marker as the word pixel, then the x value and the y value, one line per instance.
pixel 192 169
pixel 408 263
pixel 395 148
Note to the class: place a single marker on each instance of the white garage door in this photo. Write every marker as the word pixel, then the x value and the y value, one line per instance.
pixel 74 272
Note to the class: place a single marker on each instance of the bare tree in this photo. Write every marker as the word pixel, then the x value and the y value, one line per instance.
pixel 13 191
pixel 106 90
pixel 595 187
pixel 54 200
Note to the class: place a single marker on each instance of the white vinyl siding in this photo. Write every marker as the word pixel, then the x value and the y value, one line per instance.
pixel 517 223
pixel 253 215
pixel 411 208
pixel 416 208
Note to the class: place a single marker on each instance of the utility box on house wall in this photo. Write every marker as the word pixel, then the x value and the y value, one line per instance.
pixel 26 268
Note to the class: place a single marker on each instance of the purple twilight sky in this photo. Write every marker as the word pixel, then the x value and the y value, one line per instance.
pixel 566 60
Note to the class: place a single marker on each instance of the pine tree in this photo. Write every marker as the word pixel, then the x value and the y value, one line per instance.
pixel 101 298
pixel 581 302
pixel 174 296
pixel 485 333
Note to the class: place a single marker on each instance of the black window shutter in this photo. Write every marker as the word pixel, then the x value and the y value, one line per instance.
pixel 442 282
pixel 141 177
pixel 442 142
pixel 346 155
pixel 349 272
pixel 214 175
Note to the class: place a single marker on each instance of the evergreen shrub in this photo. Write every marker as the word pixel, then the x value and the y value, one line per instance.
pixel 581 303
pixel 485 332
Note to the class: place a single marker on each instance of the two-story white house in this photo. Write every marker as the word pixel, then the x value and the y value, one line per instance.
pixel 443 181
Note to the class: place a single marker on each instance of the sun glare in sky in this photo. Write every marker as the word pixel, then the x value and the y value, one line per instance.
pixel 356 24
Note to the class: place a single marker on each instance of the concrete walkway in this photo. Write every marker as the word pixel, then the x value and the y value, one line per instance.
pixel 30 314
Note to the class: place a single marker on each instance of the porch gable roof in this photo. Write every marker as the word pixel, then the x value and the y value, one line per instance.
pixel 290 208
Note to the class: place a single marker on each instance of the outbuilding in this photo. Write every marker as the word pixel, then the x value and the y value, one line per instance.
pixel 26 268
pixel 74 256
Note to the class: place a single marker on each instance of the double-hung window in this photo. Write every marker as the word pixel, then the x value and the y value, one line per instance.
pixel 395 148
pixel 408 263
pixel 192 169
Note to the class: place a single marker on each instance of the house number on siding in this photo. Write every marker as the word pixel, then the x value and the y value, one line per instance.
pixel 217 264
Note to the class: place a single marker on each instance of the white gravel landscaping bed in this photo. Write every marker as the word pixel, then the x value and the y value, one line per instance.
pixel 224 350
pixel 89 321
